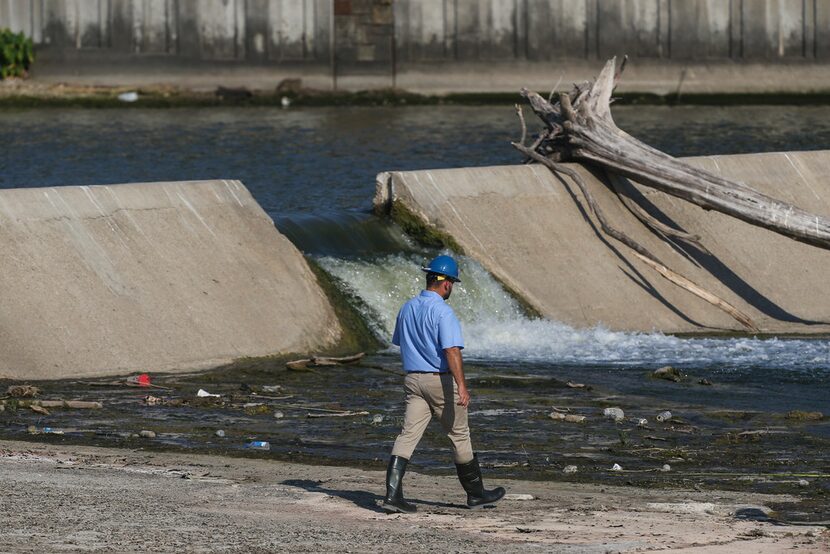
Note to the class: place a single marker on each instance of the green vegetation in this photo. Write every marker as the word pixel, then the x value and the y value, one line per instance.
pixel 16 54
pixel 420 231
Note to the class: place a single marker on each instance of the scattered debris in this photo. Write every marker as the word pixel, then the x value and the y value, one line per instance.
pixel 22 391
pixel 377 419
pixel 38 409
pixel 516 496
pixel 668 373
pixel 128 97
pixel 147 434
pixel 50 431
pixel 151 400
pixel 320 361
pixel 31 429
pixel 572 385
pixel 805 416
pixel 73 404
pixel 278 415
pixel 616 467
pixel 285 102
pixel 259 445
pixel 803 483
pixel 233 94
pixel 666 467
pixel 706 382
pixel 271 388
pixel 653 438
pixel 141 380
pixel 339 414
pixel 640 421
pixel 202 393
pixel 663 416
pixel 614 413
pixel 220 433
pixel 571 418
pixel 570 469
pixel 557 416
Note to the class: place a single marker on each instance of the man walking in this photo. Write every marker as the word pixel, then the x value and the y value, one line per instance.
pixel 430 338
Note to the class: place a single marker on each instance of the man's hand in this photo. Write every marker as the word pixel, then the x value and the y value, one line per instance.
pixel 463 397
pixel 456 366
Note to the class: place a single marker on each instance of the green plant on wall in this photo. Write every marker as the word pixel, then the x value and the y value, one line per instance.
pixel 16 54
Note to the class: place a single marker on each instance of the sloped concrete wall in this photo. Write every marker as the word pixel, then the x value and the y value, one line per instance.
pixel 526 227
pixel 149 277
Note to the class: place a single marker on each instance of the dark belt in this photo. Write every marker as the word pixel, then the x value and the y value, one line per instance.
pixel 429 372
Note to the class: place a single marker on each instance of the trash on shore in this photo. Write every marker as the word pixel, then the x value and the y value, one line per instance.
pixel 145 434
pixel 616 467
pixel 73 404
pixel 640 421
pixel 220 433
pixel 572 385
pixel 517 496
pixel 573 418
pixel 258 445
pixel 666 467
pixel 323 361
pixel 278 415
pixel 128 97
pixel 706 382
pixel 668 373
pixel 570 469
pixel 22 391
pixel 377 419
pixel 614 413
pixel 151 400
pixel 799 415
pixel 271 388
pixel 141 380
pixel 285 102
pixel 38 409
pixel 663 416
pixel 338 414
pixel 202 393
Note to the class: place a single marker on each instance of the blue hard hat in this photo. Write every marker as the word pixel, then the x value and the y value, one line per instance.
pixel 443 265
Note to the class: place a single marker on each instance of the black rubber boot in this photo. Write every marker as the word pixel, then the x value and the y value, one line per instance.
pixel 470 476
pixel 394 502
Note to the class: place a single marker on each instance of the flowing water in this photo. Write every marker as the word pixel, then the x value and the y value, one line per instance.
pixel 313 171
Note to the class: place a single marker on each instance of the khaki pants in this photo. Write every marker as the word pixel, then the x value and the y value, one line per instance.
pixel 428 395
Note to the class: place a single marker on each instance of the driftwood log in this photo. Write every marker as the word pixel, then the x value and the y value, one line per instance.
pixel 579 128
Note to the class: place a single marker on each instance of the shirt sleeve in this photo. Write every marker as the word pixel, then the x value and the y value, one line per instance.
pixel 449 331
pixel 396 336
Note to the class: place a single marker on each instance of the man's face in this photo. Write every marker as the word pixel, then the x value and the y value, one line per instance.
pixel 446 289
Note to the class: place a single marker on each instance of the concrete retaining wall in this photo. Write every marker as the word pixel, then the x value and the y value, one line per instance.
pixel 149 277
pixel 525 226
pixel 407 42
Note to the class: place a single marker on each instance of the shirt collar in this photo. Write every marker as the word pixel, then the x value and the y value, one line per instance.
pixel 431 294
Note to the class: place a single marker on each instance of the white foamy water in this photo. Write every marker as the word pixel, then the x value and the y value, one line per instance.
pixel 496 329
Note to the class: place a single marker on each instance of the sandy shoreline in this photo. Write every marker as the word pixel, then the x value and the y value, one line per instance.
pixel 78 498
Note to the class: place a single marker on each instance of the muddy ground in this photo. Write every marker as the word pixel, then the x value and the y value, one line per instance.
pixel 88 499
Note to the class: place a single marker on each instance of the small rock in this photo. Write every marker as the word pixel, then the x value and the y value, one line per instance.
pixel 556 416
pixel 666 467
pixel 571 418
pixel 803 483
pixel 570 469
pixel 32 430
pixel 147 434
pixel 271 388
pixel 376 419
pixel 616 467
pixel 220 433
pixel 706 382
pixel 2 408
pixel 285 102
pixel 614 413
pixel 805 416
pixel 278 415
pixel 668 373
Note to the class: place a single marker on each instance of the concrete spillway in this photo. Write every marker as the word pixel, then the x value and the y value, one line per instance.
pixel 160 277
pixel 525 226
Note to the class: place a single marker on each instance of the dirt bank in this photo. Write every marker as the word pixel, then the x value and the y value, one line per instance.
pixel 94 499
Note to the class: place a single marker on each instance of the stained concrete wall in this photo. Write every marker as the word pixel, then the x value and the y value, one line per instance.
pixel 526 227
pixel 149 277
pixel 348 33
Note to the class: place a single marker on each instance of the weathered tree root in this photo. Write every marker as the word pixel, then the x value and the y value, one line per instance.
pixel 579 127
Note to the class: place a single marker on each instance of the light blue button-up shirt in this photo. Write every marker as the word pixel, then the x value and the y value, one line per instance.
pixel 426 325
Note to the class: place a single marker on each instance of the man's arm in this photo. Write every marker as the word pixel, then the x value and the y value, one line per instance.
pixel 456 366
